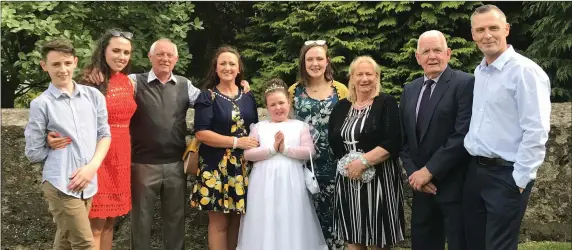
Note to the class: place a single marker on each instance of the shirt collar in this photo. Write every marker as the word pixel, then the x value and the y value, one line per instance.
pixel 152 77
pixel 78 89
pixel 501 61
pixel 436 79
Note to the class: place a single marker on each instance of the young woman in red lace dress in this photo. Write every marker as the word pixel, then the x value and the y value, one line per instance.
pixel 113 198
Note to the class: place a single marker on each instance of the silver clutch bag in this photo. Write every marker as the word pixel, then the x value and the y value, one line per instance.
pixel 367 174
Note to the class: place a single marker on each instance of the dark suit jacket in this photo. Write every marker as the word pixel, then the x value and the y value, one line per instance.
pixel 440 146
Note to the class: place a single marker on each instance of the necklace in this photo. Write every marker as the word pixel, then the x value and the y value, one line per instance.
pixel 363 105
pixel 315 89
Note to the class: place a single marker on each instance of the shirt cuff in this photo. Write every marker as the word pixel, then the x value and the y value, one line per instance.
pixel 271 151
pixel 520 179
pixel 285 151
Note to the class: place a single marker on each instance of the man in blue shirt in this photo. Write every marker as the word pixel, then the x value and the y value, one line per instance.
pixel 507 135
pixel 69 176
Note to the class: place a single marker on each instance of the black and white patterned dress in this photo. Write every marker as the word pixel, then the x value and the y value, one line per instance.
pixel 368 213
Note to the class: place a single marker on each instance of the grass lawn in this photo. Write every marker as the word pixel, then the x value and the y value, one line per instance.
pixel 544 245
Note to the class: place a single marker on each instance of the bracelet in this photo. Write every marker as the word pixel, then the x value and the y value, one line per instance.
pixel 364 161
pixel 234 142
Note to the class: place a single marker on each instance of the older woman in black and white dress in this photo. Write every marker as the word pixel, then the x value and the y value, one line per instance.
pixel 367 211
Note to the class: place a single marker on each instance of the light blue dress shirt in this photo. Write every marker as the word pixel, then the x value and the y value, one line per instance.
pixel 81 116
pixel 193 91
pixel 511 114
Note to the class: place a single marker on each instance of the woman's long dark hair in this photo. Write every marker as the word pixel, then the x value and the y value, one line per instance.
pixel 98 62
pixel 212 78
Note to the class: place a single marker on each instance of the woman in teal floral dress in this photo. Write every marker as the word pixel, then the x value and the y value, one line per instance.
pixel 313 97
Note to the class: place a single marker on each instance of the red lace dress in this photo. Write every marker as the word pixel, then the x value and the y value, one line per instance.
pixel 113 197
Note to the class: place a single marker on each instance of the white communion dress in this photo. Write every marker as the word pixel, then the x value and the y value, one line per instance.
pixel 279 213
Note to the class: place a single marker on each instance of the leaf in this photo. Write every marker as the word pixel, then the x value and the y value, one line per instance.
pixel 427 6
pixel 387 22
pixel 452 5
pixel 429 17
pixel 198 24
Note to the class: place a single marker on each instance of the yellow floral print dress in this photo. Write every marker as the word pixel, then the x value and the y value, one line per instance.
pixel 222 179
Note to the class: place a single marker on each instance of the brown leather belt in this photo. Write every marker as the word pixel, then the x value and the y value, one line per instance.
pixel 493 162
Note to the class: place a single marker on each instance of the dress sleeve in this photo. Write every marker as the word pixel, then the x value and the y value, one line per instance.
pixel 259 153
pixel 203 111
pixel 306 147
pixel 391 134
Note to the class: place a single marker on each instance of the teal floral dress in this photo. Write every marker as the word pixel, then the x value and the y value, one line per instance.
pixel 222 179
pixel 316 113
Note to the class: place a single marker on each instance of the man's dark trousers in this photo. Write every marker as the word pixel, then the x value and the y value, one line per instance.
pixel 433 221
pixel 493 206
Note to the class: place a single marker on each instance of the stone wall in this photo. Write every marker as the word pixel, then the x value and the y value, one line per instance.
pixel 27 224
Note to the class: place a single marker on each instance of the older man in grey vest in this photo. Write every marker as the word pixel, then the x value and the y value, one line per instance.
pixel 158 130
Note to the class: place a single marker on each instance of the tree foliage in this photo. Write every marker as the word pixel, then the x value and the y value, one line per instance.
pixel 387 31
pixel 26 25
pixel 223 20
pixel 551 47
pixel 270 35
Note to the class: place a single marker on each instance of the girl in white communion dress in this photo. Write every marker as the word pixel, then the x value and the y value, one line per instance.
pixel 280 214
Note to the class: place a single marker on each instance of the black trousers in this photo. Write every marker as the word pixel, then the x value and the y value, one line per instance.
pixel 432 222
pixel 493 207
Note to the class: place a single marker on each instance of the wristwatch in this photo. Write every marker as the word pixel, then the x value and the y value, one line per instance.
pixel 364 161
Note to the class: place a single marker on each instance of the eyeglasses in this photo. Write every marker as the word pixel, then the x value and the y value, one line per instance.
pixel 118 33
pixel 318 42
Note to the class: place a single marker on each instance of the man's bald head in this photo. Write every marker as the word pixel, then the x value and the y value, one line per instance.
pixel 432 53
pixel 432 33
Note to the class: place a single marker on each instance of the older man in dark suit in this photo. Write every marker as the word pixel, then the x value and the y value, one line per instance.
pixel 435 115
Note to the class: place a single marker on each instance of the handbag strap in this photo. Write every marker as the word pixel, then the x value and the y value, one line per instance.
pixel 311 162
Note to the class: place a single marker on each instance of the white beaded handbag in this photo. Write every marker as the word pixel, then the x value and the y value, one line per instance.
pixel 310 177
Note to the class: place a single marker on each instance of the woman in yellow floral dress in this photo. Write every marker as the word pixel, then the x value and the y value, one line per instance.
pixel 223 114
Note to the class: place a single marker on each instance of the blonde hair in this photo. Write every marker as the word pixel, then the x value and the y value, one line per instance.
pixel 352 95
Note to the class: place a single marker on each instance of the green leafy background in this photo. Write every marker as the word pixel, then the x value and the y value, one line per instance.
pixel 270 34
